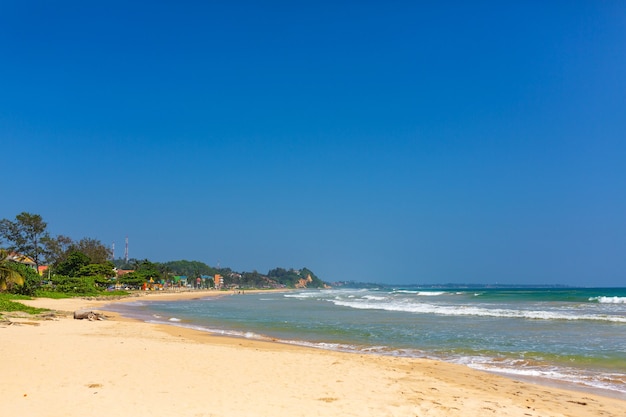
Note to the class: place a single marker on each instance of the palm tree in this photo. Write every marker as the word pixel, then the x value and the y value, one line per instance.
pixel 8 276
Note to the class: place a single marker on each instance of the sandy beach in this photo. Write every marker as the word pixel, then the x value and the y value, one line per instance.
pixel 120 367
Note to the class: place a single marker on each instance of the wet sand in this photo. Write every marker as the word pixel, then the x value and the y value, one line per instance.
pixel 123 367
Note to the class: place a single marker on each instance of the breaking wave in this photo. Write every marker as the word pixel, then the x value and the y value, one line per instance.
pixel 422 293
pixel 461 310
pixel 609 300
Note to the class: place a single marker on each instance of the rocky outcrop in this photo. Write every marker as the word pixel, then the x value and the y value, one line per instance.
pixel 303 282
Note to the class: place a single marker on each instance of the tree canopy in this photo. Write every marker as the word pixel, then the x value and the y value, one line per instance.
pixel 72 264
pixel 94 249
pixel 26 235
pixel 85 267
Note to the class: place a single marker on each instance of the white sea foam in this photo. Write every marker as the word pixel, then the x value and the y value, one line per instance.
pixel 461 310
pixel 302 295
pixel 604 381
pixel 374 297
pixel 174 319
pixel 321 345
pixel 532 372
pixel 222 332
pixel 420 310
pixel 609 300
pixel 421 293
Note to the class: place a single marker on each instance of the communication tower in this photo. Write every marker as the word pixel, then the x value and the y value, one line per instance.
pixel 113 251
pixel 126 250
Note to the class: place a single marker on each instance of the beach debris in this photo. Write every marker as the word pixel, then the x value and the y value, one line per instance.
pixel 48 315
pixel 4 323
pixel 88 314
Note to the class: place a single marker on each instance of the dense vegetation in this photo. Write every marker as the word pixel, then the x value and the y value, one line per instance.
pixel 189 271
pixel 84 267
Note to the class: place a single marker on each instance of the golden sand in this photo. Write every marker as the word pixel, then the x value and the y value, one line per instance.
pixel 121 367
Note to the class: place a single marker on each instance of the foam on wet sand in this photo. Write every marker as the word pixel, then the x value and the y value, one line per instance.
pixel 123 367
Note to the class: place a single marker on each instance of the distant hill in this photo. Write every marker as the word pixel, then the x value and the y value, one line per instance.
pixel 275 278
pixel 292 278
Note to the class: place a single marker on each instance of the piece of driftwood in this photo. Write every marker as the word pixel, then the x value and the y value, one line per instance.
pixel 88 314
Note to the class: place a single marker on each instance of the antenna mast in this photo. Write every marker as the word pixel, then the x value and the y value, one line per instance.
pixel 113 251
pixel 126 250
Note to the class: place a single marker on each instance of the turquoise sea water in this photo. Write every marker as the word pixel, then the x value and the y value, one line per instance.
pixel 574 336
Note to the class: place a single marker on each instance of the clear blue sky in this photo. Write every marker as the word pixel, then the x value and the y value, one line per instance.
pixel 401 142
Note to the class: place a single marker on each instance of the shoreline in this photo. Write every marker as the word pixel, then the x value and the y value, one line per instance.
pixel 536 380
pixel 237 376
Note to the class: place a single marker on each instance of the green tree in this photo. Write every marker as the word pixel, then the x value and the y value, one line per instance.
pixel 148 269
pixel 94 249
pixel 143 271
pixel 92 270
pixel 31 282
pixel 25 235
pixel 9 276
pixel 121 263
pixel 133 279
pixel 253 279
pixel 72 265
pixel 291 277
pixel 315 281
pixel 74 285
pixel 284 277
pixel 188 268
pixel 57 248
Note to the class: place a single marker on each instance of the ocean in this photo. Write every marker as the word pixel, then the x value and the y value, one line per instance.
pixel 572 336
